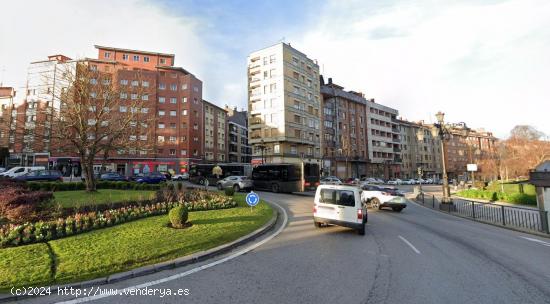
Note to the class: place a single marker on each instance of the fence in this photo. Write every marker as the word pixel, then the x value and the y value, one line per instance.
pixel 507 216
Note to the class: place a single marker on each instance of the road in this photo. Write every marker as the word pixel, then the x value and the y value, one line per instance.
pixel 417 256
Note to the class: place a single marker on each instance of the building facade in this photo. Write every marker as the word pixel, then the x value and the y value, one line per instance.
pixel 7 94
pixel 419 150
pixel 239 151
pixel 215 133
pixel 284 105
pixel 172 97
pixel 344 131
pixel 384 141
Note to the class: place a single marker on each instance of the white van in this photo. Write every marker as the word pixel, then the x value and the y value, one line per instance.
pixel 18 171
pixel 339 205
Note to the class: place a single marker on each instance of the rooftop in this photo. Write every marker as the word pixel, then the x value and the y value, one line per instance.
pixel 132 51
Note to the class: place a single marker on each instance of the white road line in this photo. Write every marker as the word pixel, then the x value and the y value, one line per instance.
pixel 191 271
pixel 410 245
pixel 535 240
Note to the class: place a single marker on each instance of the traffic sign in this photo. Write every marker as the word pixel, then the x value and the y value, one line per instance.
pixel 252 199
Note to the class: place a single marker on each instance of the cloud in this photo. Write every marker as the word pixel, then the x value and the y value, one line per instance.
pixel 32 30
pixel 482 63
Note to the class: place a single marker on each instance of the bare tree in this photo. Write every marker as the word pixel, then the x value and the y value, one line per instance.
pixel 97 116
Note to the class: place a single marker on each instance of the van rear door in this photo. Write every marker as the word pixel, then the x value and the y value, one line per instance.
pixel 326 204
pixel 347 200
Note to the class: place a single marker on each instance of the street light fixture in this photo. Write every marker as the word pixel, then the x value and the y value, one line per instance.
pixel 443 131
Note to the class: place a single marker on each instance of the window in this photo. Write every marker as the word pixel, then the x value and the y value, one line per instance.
pixel 133 137
pixel 272 87
pixel 196 126
pixel 183 152
pixel 184 112
pixel 184 99
pixel 104 81
pixel 272 59
pixel 173 113
pixel 173 87
pixel 136 58
pixel 161 113
pixel 162 86
pixel 172 151
pixel 135 83
pixel 337 197
pixel 196 89
pixel 123 95
pixel 93 94
pixel 172 139
pixel 124 81
pixel 173 100
pixel 184 86
pixel 133 96
pixel 143 137
pixel 107 55
pixel 145 97
pixel 145 110
pixel 161 125
pixel 272 73
pixel 277 148
pixel 125 57
pixel 160 139
pixel 163 60
pixel 172 125
pixel 162 99
pixel 145 84
pixel 293 150
pixel 145 58
pixel 93 81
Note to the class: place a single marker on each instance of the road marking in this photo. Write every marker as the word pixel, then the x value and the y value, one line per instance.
pixel 191 271
pixel 535 240
pixel 410 245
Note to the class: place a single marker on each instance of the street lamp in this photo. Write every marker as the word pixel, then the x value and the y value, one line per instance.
pixel 262 147
pixel 443 131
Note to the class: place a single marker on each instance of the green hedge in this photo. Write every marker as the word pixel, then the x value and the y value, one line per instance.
pixel 68 186
pixel 514 198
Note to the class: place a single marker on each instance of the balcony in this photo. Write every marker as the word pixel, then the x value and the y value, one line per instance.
pixel 396 149
pixel 396 140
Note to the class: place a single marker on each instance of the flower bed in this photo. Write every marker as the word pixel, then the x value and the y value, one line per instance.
pixel 67 186
pixel 27 233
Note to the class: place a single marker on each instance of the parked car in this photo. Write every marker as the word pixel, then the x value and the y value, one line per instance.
pixel 380 197
pixel 393 191
pixel 41 175
pixel 352 181
pixel 339 205
pixel 18 171
pixel 369 180
pixel 380 181
pixel 180 177
pixel 113 176
pixel 330 180
pixel 150 178
pixel 238 183
pixel 410 182
pixel 395 182
pixel 2 169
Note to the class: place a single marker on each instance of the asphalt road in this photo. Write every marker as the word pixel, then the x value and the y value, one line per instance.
pixel 416 256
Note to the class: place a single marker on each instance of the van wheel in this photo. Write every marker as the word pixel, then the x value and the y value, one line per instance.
pixel 236 188
pixel 375 203
pixel 317 224
pixel 361 231
pixel 275 188
pixel 397 209
pixel 220 187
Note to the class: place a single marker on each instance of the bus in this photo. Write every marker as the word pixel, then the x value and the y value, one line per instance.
pixel 199 173
pixel 286 177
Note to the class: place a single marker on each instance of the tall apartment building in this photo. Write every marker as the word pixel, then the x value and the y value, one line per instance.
pixel 239 151
pixel 215 133
pixel 384 143
pixel 172 94
pixel 422 151
pixel 7 95
pixel 472 149
pixel 284 103
pixel 344 131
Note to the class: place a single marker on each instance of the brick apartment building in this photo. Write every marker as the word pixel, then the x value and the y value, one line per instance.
pixel 343 131
pixel 172 94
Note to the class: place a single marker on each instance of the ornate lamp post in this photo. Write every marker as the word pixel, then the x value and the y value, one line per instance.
pixel 262 147
pixel 443 131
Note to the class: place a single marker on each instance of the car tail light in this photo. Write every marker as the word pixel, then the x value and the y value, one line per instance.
pixel 317 183
pixel 307 184
pixel 359 214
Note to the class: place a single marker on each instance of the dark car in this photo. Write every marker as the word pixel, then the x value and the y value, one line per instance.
pixel 41 175
pixel 150 178
pixel 112 176
pixel 393 191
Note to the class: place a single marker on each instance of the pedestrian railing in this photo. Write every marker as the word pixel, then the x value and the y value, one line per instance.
pixel 508 216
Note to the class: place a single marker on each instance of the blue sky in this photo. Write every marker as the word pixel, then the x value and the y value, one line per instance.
pixel 484 62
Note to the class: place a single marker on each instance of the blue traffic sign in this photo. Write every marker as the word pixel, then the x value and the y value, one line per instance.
pixel 252 199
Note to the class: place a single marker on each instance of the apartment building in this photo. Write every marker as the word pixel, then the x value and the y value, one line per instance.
pixel 419 149
pixel 7 94
pixel 239 151
pixel 172 95
pixel 284 104
pixel 384 142
pixel 473 148
pixel 344 131
pixel 215 133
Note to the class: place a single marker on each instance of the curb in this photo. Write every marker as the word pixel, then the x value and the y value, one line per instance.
pixel 176 263
pixel 544 235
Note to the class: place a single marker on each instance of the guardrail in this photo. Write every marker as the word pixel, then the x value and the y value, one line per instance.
pixel 506 216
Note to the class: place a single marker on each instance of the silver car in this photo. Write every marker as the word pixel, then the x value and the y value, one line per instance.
pixel 236 182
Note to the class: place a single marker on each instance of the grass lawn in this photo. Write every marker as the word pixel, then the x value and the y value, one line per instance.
pixel 82 198
pixel 511 193
pixel 29 264
pixel 123 247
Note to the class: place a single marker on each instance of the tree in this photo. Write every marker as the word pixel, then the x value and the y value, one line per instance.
pixel 97 115
pixel 526 132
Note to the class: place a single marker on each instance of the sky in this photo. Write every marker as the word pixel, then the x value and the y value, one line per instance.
pixel 482 62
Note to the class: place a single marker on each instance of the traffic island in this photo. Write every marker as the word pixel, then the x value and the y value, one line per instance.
pixel 123 248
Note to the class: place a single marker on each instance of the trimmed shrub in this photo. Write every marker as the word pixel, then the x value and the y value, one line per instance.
pixel 18 204
pixel 178 216
pixel 494 197
pixel 229 191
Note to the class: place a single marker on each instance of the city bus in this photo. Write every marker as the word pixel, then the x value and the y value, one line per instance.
pixel 286 177
pixel 199 173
